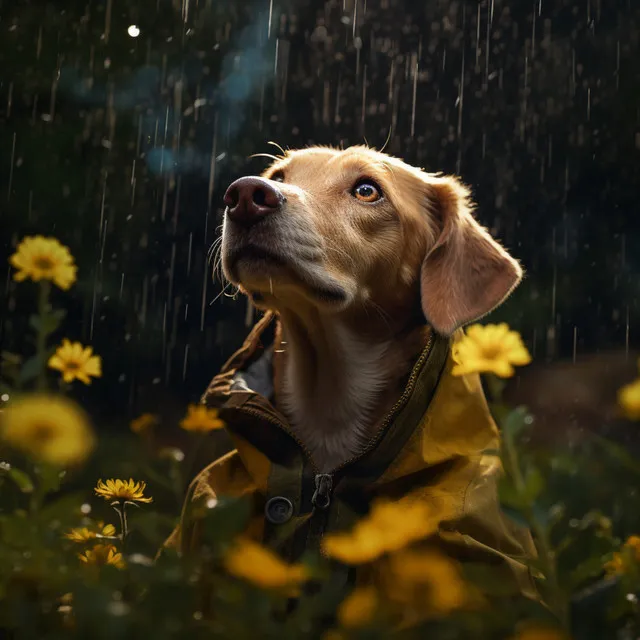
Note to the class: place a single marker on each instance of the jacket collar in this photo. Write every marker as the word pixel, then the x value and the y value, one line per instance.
pixel 243 389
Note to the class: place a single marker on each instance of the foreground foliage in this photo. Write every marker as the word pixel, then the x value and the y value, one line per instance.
pixel 78 557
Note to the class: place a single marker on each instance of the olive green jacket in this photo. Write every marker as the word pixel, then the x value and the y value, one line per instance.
pixel 437 444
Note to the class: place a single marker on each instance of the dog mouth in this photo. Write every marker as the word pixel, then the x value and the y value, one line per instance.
pixel 261 260
pixel 251 253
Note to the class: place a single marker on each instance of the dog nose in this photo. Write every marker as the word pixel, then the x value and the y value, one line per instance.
pixel 250 199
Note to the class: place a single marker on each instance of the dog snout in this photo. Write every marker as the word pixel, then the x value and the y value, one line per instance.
pixel 249 199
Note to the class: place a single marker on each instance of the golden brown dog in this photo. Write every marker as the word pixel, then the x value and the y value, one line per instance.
pixel 365 267
pixel 354 249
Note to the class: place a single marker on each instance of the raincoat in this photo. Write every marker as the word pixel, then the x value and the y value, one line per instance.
pixel 438 444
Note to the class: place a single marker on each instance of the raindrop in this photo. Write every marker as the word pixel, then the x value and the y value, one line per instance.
pixel 13 155
pixel 415 93
pixel 270 18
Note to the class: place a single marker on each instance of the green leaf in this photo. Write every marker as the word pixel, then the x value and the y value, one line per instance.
pixel 509 495
pixel 224 521
pixel 592 567
pixel 534 484
pixel 48 322
pixel 17 530
pixel 524 497
pixel 24 482
pixel 515 422
pixel 31 368
pixel 66 508
pixel 618 453
pixel 10 359
pixel 49 479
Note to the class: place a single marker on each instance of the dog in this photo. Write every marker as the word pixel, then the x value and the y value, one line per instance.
pixel 365 268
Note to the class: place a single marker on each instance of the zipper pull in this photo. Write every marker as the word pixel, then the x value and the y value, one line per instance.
pixel 322 495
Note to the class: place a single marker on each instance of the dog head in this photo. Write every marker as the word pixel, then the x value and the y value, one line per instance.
pixel 338 230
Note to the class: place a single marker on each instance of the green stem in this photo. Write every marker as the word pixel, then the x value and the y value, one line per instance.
pixel 122 513
pixel 545 552
pixel 41 335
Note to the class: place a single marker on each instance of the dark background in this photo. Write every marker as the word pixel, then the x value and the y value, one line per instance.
pixel 122 148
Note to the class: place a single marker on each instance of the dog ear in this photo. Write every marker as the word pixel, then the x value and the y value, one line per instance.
pixel 466 273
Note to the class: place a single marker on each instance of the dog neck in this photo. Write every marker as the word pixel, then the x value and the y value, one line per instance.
pixel 338 382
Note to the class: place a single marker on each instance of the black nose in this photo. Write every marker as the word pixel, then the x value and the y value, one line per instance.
pixel 250 199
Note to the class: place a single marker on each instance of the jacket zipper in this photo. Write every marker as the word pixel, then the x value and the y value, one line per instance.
pixel 324 481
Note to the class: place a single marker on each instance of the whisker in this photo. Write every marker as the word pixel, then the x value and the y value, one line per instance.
pixel 221 294
pixel 216 243
pixel 384 146
pixel 265 155
pixel 277 146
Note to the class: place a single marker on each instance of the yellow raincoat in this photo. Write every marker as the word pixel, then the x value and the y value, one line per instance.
pixel 437 444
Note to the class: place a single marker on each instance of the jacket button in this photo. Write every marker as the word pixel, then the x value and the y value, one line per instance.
pixel 278 510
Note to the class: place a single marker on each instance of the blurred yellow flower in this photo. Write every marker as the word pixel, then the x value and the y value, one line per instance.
pixel 143 423
pixel 627 556
pixel 253 562
pixel 388 527
pixel 492 348
pixel 76 362
pixel 629 399
pixel 616 565
pixel 49 428
pixel 200 418
pixel 633 542
pixel 537 632
pixel 39 258
pixel 122 490
pixel 102 554
pixel 427 579
pixel 84 534
pixel 358 608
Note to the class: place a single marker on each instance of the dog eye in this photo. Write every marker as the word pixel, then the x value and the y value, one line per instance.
pixel 367 191
pixel 278 176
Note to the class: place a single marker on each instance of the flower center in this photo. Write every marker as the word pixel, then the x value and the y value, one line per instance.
pixel 492 351
pixel 43 432
pixel 44 263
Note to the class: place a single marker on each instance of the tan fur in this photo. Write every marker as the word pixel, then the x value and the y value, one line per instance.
pixel 416 253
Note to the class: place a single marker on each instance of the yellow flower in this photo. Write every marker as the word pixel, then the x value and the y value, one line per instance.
pixel 76 362
pixel 426 579
pixel 359 607
pixel 492 348
pixel 389 527
pixel 40 258
pixel 122 490
pixel 629 399
pixel 102 554
pixel 200 418
pixel 616 565
pixel 142 424
pixel 256 564
pixel 84 534
pixel 633 542
pixel 621 561
pixel 48 428
pixel 537 632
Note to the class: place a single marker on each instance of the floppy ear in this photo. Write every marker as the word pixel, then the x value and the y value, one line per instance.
pixel 466 274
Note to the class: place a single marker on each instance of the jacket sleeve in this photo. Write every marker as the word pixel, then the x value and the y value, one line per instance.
pixel 226 476
pixel 480 533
